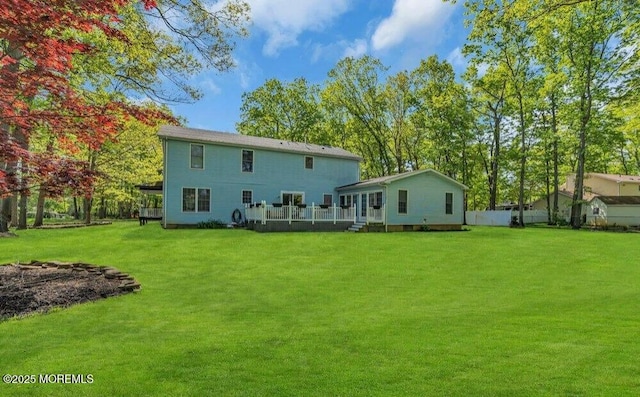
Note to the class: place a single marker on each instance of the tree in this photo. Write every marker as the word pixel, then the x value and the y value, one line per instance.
pixel 279 110
pixel 355 87
pixel 48 85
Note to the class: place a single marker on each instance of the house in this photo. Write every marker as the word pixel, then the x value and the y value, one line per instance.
pixel 277 185
pixel 209 175
pixel 614 211
pixel 595 185
pixel 407 201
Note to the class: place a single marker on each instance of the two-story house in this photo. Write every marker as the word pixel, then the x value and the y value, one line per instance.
pixel 209 175
pixel 277 185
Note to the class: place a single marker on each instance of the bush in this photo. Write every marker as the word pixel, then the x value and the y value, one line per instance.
pixel 212 224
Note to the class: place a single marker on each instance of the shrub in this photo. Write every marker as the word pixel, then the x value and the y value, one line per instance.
pixel 212 224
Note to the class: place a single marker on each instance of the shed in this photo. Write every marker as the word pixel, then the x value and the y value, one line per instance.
pixel 614 211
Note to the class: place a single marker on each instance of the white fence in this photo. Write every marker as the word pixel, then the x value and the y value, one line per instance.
pixel 150 212
pixel 503 218
pixel 264 213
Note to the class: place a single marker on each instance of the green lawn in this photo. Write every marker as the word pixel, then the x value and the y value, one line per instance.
pixel 493 311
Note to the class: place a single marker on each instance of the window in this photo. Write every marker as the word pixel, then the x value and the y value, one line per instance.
pixel 402 201
pixel 247 161
pixel 292 198
pixel 596 211
pixel 197 156
pixel 327 199
pixel 448 203
pixel 308 162
pixel 375 199
pixel 188 200
pixel 203 200
pixel 347 199
pixel 191 204
pixel 247 197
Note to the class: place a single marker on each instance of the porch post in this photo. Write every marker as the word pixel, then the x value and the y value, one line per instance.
pixel 313 213
pixel 290 212
pixel 334 213
pixel 263 212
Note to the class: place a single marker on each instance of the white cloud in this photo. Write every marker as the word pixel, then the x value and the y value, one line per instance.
pixel 356 49
pixel 411 20
pixel 339 50
pixel 284 20
pixel 457 59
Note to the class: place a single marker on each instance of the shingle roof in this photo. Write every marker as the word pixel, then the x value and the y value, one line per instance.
pixel 619 200
pixel 246 141
pixel 383 180
pixel 616 177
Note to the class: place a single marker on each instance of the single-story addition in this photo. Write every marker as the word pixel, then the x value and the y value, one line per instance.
pixel 407 201
pixel 276 185
pixel 614 211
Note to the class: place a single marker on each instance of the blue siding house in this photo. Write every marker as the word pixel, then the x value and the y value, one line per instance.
pixel 209 175
pixel 407 201
pixel 279 185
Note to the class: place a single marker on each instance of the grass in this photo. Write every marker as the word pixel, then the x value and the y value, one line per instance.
pixel 494 311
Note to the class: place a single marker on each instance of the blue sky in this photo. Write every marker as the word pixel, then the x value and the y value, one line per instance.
pixel 306 38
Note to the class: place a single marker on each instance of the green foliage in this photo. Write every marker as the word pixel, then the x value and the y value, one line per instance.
pixel 485 312
pixel 212 224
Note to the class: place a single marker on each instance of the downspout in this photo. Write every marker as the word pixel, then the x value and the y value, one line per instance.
pixel 165 149
pixel 384 205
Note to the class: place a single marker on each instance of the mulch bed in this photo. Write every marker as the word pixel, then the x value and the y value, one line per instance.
pixel 27 288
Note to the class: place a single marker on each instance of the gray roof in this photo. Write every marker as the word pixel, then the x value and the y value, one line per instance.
pixel 619 200
pixel 385 180
pixel 247 141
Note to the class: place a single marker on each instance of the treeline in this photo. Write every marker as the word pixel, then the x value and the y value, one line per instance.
pixel 552 88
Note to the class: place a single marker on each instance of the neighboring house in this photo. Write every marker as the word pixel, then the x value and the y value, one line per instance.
pixel 565 198
pixel 408 201
pixel 281 185
pixel 595 185
pixel 614 211
pixel 208 175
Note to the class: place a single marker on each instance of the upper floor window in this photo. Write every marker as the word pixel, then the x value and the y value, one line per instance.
pixel 247 160
pixel 308 162
pixel 448 203
pixel 402 201
pixel 197 156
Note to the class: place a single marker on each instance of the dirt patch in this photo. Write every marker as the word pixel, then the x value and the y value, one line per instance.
pixel 41 286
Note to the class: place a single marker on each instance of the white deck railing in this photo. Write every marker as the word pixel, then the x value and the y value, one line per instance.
pixel 375 214
pixel 263 213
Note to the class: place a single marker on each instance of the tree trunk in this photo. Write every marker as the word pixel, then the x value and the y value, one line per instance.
pixel 87 201
pixel 40 208
pixel 5 214
pixel 22 213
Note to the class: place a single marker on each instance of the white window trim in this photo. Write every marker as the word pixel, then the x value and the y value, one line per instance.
pixel 327 194
pixel 253 161
pixel 196 211
pixel 313 163
pixel 406 203
pixel 242 196
pixel 190 162
pixel 283 192
pixel 452 203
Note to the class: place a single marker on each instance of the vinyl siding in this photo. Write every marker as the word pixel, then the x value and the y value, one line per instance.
pixel 273 172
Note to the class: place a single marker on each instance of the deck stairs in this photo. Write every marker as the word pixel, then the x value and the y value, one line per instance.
pixel 356 227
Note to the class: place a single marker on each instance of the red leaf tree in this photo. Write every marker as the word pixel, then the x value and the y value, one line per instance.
pixel 38 41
